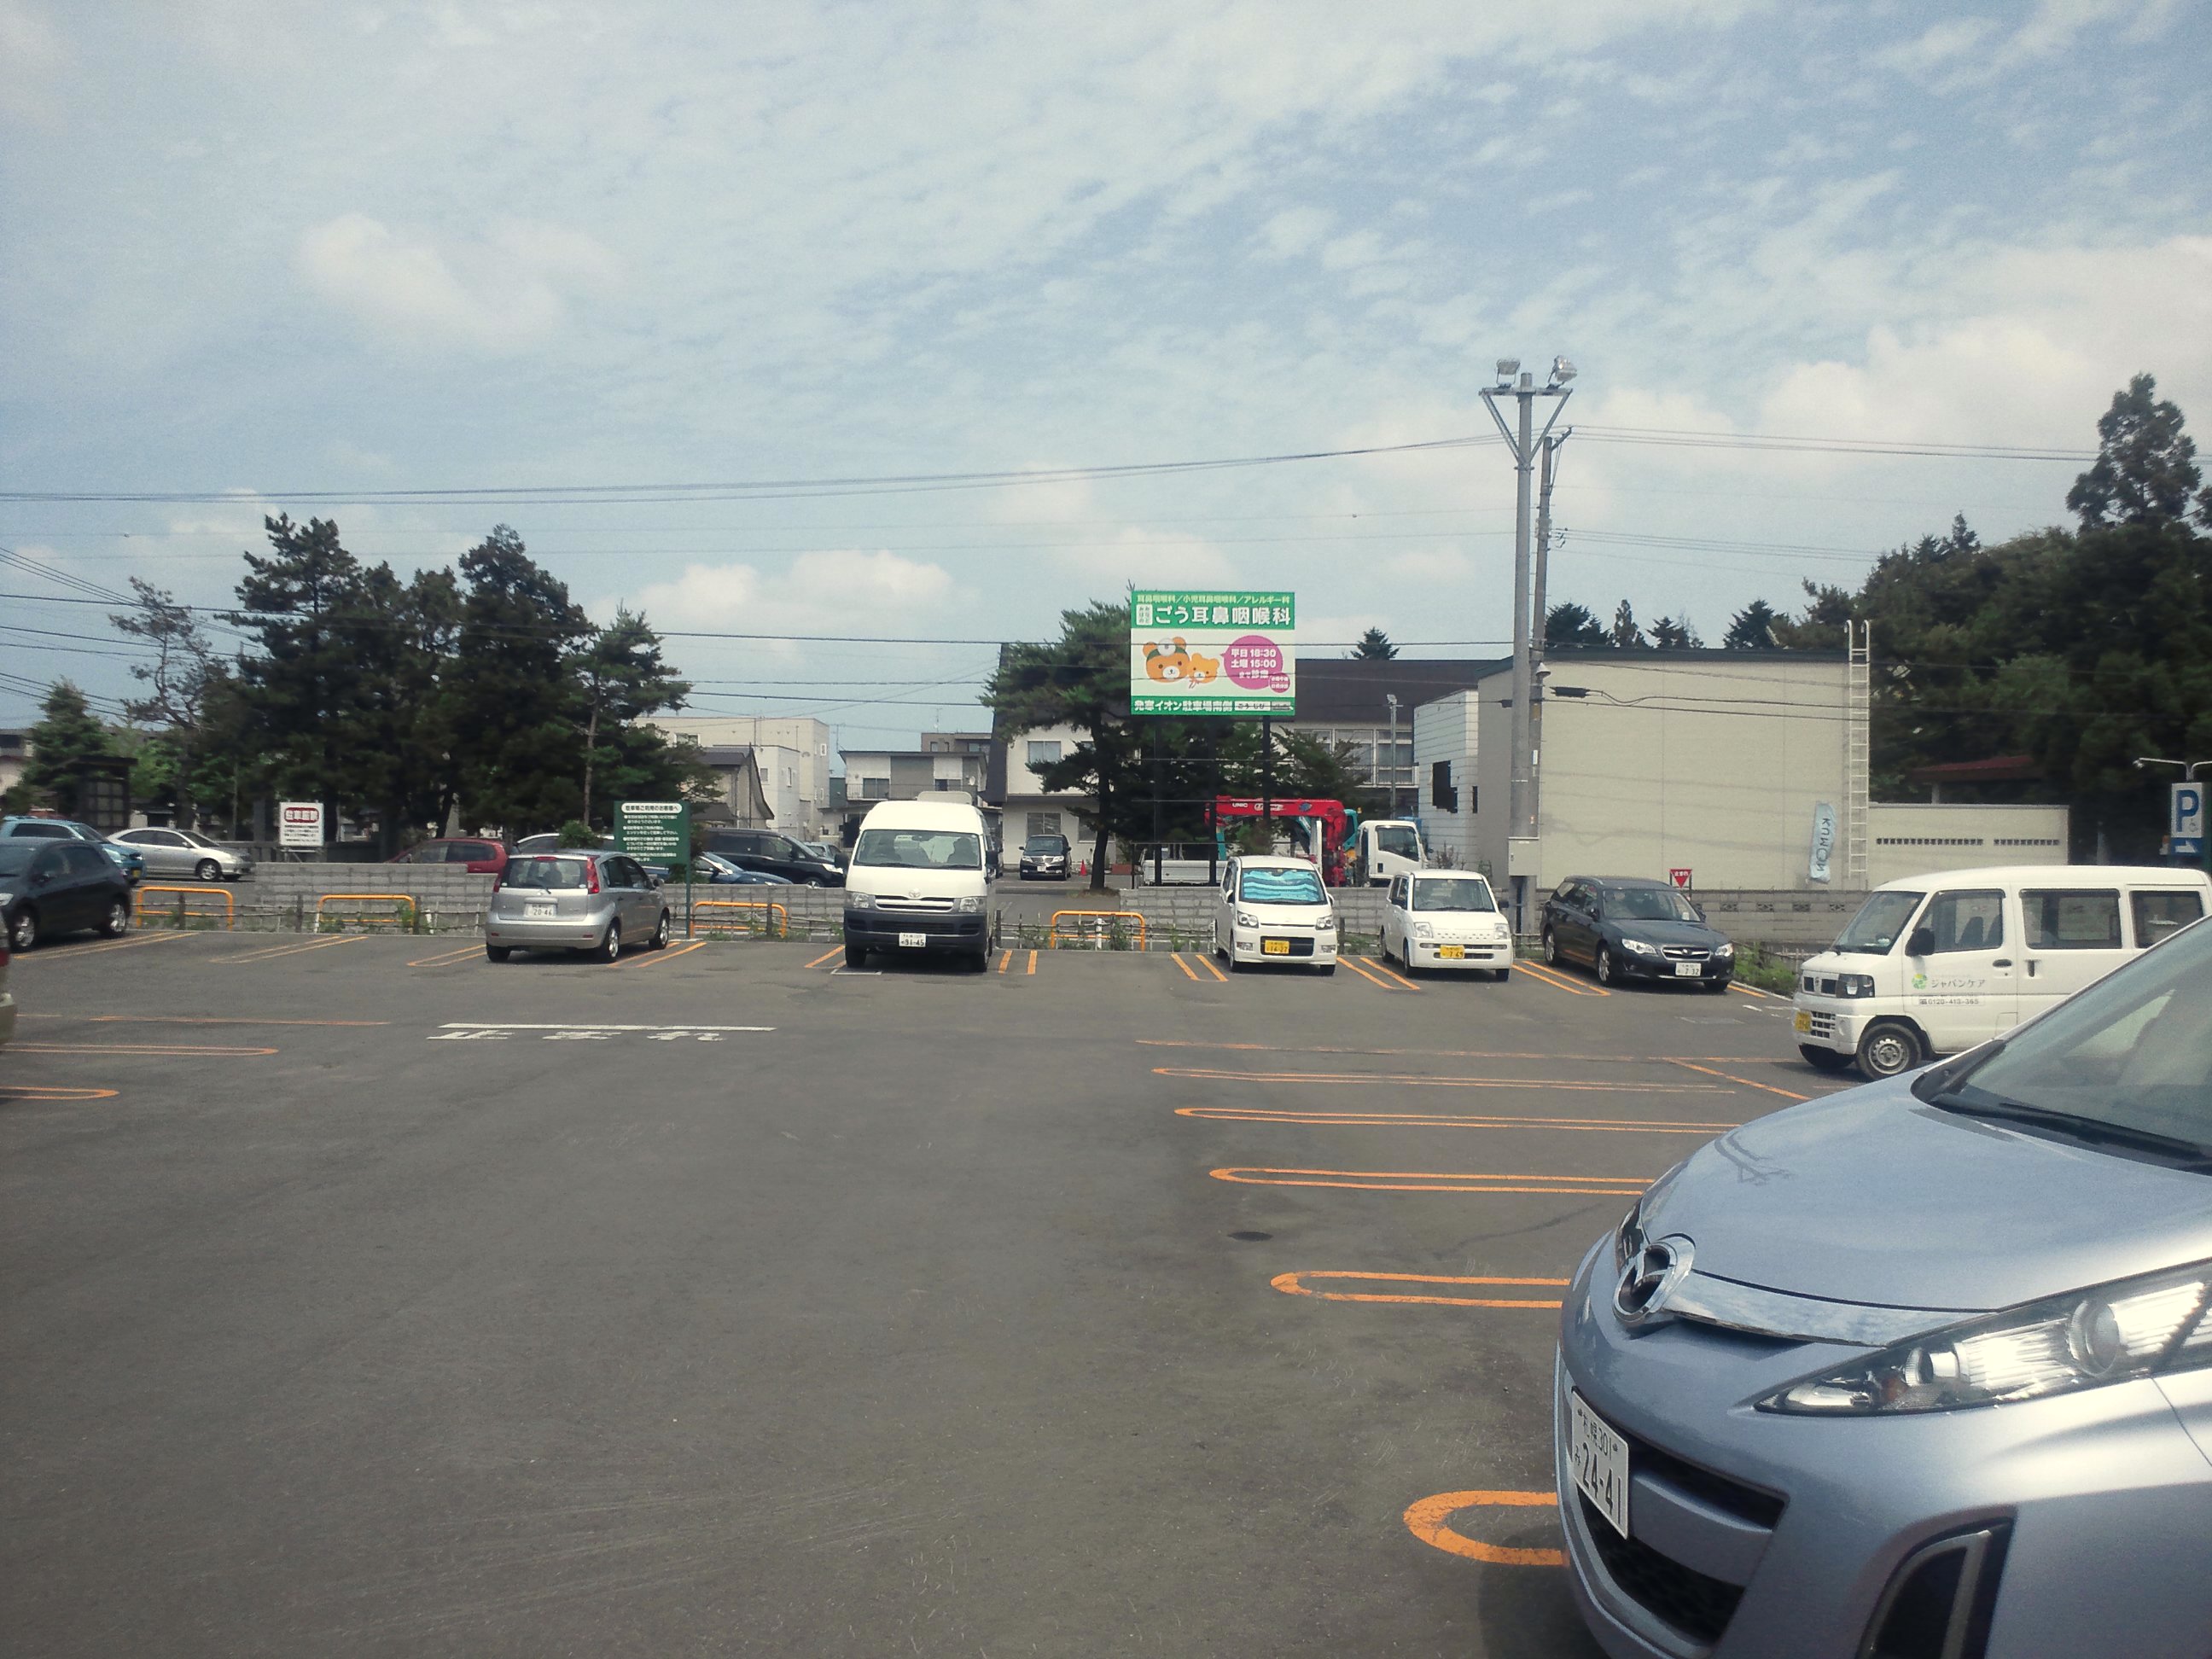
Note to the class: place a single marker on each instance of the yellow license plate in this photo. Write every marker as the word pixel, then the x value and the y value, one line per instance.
pixel 1804 1021
pixel 1274 947
pixel 1451 953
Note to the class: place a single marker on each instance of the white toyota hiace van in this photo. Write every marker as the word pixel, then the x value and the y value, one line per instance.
pixel 1939 963
pixel 918 881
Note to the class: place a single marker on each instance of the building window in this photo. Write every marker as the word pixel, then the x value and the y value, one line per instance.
pixel 875 788
pixel 1044 751
pixel 1044 823
pixel 1441 792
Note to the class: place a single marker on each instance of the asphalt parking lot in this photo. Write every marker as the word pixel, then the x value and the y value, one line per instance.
pixel 361 1296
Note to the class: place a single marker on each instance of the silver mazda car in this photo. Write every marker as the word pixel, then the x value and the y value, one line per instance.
pixel 1923 1371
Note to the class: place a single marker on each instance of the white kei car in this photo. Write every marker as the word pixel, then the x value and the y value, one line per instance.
pixel 1274 910
pixel 1446 919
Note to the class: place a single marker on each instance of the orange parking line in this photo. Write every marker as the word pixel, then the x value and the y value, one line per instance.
pixel 266 955
pixel 1358 968
pixel 106 947
pixel 1753 991
pixel 1391 1181
pixel 1415 1080
pixel 1031 969
pixel 1443 1120
pixel 135 1048
pixel 1214 968
pixel 52 1092
pixel 1175 957
pixel 461 955
pixel 1452 1054
pixel 1004 960
pixel 1426 1519
pixel 651 956
pixel 197 1019
pixel 1385 969
pixel 1693 1066
pixel 825 957
pixel 1292 1284
pixel 1559 981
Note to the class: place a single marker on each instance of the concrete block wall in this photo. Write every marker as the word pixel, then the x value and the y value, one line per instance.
pixel 1792 922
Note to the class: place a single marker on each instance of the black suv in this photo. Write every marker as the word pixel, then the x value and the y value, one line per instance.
pixel 53 887
pixel 774 856
pixel 1045 858
pixel 1628 927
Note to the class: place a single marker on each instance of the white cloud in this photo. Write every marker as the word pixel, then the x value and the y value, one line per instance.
pixel 510 288
pixel 1293 231
pixel 843 591
pixel 32 63
pixel 1943 45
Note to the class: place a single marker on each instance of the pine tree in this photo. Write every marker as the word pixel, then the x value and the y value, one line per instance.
pixel 1566 625
pixel 179 681
pixel 1626 634
pixel 2146 467
pixel 66 736
pixel 1751 629
pixel 1374 647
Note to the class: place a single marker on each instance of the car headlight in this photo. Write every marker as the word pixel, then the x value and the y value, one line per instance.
pixel 967 907
pixel 1628 1238
pixel 1723 952
pixel 859 901
pixel 2115 1332
pixel 1855 984
pixel 1245 921
pixel 7 898
pixel 1424 930
pixel 1640 948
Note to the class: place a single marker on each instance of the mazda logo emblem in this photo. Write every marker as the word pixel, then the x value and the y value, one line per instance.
pixel 1649 1280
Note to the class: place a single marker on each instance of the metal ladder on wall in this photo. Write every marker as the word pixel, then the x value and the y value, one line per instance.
pixel 1858 706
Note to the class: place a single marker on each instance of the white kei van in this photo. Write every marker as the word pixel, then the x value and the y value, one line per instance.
pixel 1939 963
pixel 919 881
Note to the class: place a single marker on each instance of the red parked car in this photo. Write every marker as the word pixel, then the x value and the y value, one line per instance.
pixel 477 855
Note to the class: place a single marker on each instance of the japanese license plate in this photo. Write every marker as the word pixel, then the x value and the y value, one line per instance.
pixel 1451 953
pixel 1689 970
pixel 1804 1020
pixel 1274 947
pixel 914 941
pixel 537 909
pixel 1599 1458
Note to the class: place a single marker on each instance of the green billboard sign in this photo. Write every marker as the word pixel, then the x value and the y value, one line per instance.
pixel 1194 651
pixel 655 831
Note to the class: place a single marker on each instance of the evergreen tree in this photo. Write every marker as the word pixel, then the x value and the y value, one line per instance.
pixel 66 736
pixel 1626 634
pixel 1669 634
pixel 179 680
pixel 2146 468
pixel 1566 625
pixel 1751 629
pixel 1374 647
pixel 624 678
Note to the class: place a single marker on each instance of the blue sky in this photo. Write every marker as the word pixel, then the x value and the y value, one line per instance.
pixel 260 249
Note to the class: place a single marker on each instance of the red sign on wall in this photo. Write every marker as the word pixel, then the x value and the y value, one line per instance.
pixel 1680 878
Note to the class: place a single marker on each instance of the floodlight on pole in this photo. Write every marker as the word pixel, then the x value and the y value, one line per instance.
pixel 1525 443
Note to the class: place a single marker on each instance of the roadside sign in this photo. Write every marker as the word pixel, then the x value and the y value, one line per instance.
pixel 300 823
pixel 1194 652
pixel 654 830
pixel 1824 841
pixel 2185 820
pixel 1680 878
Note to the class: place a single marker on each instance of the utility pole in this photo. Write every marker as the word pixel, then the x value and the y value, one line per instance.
pixel 1521 857
pixel 1538 622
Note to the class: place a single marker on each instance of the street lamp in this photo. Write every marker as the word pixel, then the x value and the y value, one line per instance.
pixel 1520 856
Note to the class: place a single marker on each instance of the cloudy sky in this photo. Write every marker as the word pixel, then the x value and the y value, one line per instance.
pixel 309 257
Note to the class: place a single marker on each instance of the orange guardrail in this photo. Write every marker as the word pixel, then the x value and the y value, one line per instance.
pixel 229 902
pixel 779 920
pixel 414 913
pixel 1137 916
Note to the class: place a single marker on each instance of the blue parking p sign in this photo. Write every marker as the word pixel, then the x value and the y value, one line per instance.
pixel 2186 821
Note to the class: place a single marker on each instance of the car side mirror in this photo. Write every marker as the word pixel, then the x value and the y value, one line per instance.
pixel 1597 913
pixel 1700 910
pixel 1922 943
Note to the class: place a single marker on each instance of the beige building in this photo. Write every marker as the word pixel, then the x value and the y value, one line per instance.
pixel 791 753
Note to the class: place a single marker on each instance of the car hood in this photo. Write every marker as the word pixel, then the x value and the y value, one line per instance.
pixel 1873 1196
pixel 1670 933
pixel 1281 914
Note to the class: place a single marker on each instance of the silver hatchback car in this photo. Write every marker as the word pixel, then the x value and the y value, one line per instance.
pixel 1922 1368
pixel 575 901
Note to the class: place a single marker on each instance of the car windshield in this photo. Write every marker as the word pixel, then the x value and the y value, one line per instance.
pixel 920 849
pixel 1453 893
pixel 1268 885
pixel 15 855
pixel 193 838
pixel 1647 904
pixel 2128 1061
pixel 560 873
pixel 1879 923
pixel 1044 844
pixel 1399 839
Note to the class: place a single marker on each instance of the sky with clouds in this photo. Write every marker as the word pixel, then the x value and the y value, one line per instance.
pixel 267 249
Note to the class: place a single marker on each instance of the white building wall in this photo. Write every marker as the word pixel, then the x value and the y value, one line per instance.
pixel 1027 798
pixel 1444 734
pixel 1913 838
pixel 793 751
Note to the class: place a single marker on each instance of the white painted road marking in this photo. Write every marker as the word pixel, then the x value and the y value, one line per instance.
pixel 498 1031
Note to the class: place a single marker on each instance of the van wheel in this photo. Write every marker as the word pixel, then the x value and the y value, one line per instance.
pixel 1889 1047
pixel 1823 1060
pixel 856 956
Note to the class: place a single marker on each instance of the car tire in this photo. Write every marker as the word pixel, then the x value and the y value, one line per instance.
pixel 1326 969
pixel 1499 975
pixel 1823 1060
pixel 498 952
pixel 1607 972
pixel 608 949
pixel 1550 949
pixel 1716 985
pixel 661 934
pixel 207 870
pixel 23 932
pixel 1890 1047
pixel 856 956
pixel 118 920
pixel 980 962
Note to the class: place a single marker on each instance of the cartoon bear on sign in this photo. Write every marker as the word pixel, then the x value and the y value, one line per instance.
pixel 1204 670
pixel 1167 666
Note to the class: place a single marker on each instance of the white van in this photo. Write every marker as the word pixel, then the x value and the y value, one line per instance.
pixel 1939 963
pixel 919 881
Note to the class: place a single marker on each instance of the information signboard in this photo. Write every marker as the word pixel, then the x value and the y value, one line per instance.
pixel 300 823
pixel 1194 652
pixel 655 831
